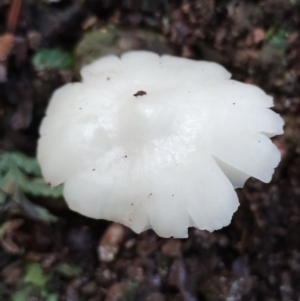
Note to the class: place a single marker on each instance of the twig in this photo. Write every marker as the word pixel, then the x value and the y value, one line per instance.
pixel 13 15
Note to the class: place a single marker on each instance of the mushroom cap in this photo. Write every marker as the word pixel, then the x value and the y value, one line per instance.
pixel 157 142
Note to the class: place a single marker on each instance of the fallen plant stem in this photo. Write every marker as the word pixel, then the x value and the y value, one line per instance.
pixel 13 15
pixel 7 39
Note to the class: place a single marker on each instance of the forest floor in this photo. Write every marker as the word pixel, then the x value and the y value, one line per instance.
pixel 48 253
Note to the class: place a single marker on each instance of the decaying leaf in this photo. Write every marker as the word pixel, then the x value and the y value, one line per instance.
pixel 6 44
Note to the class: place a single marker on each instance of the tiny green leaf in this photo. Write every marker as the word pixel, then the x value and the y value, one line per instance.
pixel 35 276
pixel 53 58
pixel 28 165
pixel 277 39
pixel 52 297
pixel 68 270
pixel 2 197
pixel 19 171
pixel 22 295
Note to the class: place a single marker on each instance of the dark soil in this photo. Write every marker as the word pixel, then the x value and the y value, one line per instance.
pixel 257 257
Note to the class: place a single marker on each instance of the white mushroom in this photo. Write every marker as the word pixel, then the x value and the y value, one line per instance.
pixel 157 142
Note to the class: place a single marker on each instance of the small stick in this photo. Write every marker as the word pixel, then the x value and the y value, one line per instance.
pixel 13 15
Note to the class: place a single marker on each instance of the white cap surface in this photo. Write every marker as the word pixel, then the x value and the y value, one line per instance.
pixel 168 158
